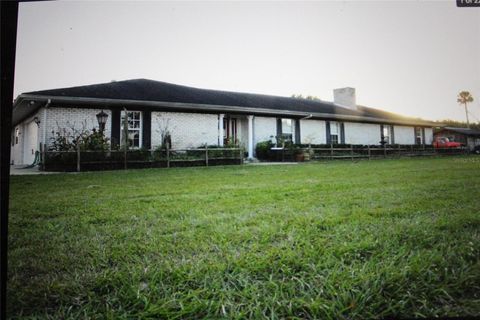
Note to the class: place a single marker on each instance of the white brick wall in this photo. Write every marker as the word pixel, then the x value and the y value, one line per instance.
pixel 404 135
pixel 188 130
pixel 362 133
pixel 263 129
pixel 73 117
pixel 428 135
pixel 313 131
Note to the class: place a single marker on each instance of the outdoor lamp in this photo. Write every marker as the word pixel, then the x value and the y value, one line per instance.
pixel 102 119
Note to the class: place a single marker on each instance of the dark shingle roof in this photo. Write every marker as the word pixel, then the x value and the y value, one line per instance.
pixel 149 90
pixel 377 113
pixel 163 92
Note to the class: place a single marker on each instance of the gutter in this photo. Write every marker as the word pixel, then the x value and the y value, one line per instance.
pixel 120 103
pixel 307 117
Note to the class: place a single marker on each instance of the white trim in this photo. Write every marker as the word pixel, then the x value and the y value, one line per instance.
pixel 250 136
pixel 220 129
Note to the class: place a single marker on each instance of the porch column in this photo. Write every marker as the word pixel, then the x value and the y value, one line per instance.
pixel 220 129
pixel 250 137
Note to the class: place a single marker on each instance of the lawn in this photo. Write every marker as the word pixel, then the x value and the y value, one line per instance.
pixel 329 240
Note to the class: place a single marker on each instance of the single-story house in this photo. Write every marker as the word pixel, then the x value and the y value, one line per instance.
pixel 466 136
pixel 195 117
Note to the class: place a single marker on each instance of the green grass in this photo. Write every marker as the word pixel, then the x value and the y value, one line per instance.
pixel 330 240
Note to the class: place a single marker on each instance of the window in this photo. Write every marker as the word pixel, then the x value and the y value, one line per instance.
pixel 418 135
pixel 386 134
pixel 334 132
pixel 287 129
pixel 17 135
pixel 134 129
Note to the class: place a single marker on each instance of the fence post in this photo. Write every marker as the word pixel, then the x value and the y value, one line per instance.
pixel 168 155
pixel 78 157
pixel 331 151
pixel 125 158
pixel 241 155
pixel 369 153
pixel 351 151
pixel 43 147
pixel 399 151
pixel 384 150
pixel 206 156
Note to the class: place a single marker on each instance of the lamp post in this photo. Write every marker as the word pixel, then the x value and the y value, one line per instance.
pixel 102 119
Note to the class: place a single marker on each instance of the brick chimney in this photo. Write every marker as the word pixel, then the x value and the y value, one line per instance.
pixel 345 97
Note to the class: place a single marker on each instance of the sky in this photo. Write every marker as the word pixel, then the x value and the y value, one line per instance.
pixel 408 57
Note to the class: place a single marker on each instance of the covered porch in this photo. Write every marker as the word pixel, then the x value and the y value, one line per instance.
pixel 236 129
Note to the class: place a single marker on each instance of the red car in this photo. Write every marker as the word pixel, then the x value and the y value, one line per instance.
pixel 444 142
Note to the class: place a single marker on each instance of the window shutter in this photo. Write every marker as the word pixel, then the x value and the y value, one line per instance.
pixel 279 127
pixel 342 133
pixel 423 136
pixel 147 130
pixel 115 132
pixel 392 134
pixel 329 138
pixel 297 131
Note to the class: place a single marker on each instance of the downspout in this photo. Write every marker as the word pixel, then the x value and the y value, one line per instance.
pixel 44 133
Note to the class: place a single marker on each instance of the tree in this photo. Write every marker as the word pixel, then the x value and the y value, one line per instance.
pixel 165 131
pixel 465 97
pixel 312 98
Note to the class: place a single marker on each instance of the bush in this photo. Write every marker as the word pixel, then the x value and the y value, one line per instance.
pixel 160 153
pixel 139 155
pixel 94 140
pixel 68 139
pixel 263 150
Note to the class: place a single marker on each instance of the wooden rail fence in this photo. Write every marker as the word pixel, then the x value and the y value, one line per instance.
pixel 80 160
pixel 368 152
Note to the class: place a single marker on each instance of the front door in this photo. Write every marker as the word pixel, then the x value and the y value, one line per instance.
pixel 229 131
pixel 31 143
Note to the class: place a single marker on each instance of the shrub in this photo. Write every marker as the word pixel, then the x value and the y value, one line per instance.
pixel 69 139
pixel 263 150
pixel 95 140
pixel 139 155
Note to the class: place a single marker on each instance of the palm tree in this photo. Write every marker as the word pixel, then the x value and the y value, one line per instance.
pixel 465 97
